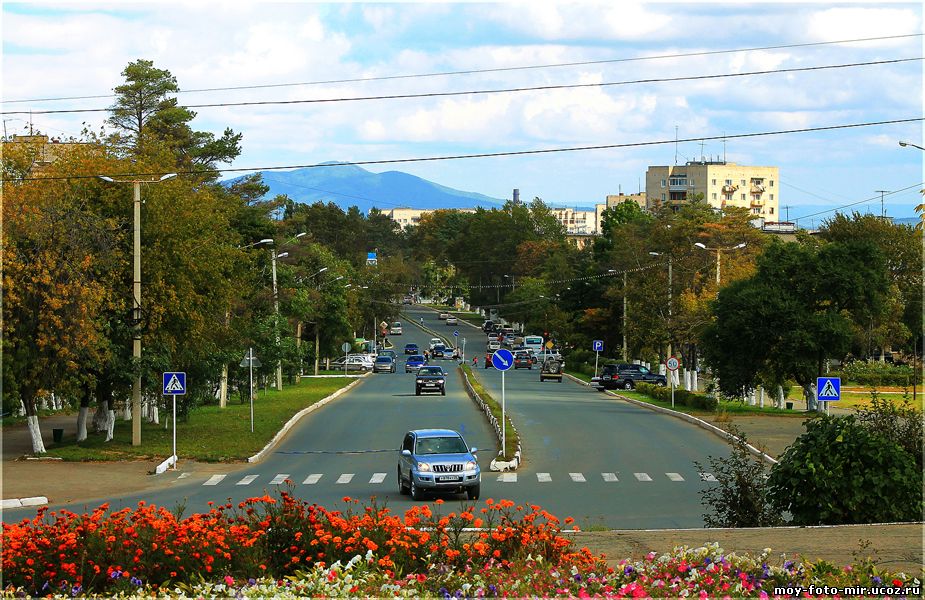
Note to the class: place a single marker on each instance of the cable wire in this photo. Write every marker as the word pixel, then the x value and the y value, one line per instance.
pixel 495 91
pixel 496 69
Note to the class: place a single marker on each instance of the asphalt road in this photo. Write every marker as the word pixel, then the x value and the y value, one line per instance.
pixel 602 461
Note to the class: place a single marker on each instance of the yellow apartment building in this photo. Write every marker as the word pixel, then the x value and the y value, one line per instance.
pixel 722 184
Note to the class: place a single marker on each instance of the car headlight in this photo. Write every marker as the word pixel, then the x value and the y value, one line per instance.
pixel 423 466
pixel 440 381
pixel 470 465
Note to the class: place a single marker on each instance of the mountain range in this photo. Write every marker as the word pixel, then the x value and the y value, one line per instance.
pixel 349 185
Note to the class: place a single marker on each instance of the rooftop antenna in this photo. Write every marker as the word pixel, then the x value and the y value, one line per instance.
pixel 882 192
pixel 30 122
pixel 638 186
pixel 675 144
pixel 724 147
pixel 787 210
pixel 701 151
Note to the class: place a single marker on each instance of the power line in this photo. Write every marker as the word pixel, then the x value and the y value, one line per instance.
pixel 499 154
pixel 871 199
pixel 495 91
pixel 493 70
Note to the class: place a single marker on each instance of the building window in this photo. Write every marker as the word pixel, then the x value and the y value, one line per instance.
pixel 772 210
pixel 743 183
pixel 691 183
pixel 714 195
pixel 772 196
pixel 727 197
pixel 755 211
pixel 772 183
pixel 728 182
pixel 743 197
pixel 663 197
pixel 714 182
pixel 663 183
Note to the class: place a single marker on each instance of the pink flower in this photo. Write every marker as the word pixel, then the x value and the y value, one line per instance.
pixel 229 580
pixel 703 594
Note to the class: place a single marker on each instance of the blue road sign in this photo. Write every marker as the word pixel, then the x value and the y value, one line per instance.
pixel 502 359
pixel 174 383
pixel 597 346
pixel 829 389
pixel 456 333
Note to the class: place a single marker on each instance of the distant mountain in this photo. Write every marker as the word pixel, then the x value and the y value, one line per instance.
pixel 349 185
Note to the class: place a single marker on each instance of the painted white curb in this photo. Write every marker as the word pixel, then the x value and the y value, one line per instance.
pixel 20 502
pixel 295 419
pixel 165 465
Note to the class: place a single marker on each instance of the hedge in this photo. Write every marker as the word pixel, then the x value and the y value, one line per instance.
pixel 682 397
pixel 876 373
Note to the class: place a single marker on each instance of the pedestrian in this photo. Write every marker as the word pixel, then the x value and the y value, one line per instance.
pixel 475 362
pixel 422 320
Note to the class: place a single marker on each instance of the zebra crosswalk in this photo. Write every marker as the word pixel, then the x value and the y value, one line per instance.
pixel 539 477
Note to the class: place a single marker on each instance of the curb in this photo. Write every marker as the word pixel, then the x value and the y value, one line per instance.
pixel 21 502
pixel 689 418
pixel 289 424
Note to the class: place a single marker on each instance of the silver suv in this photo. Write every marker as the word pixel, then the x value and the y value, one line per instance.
pixel 437 460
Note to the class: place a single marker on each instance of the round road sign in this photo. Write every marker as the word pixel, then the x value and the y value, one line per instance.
pixel 346 347
pixel 502 359
pixel 672 363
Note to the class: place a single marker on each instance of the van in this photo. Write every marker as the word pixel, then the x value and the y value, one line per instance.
pixel 395 329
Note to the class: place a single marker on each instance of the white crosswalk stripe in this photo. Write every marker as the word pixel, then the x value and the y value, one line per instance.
pixel 543 477
pixel 507 478
pixel 377 478
pixel 247 480
pixel 577 477
pixel 642 476
pixel 674 476
pixel 707 477
pixel 609 476
pixel 345 478
pixel 214 480
pixel 279 479
pixel 312 479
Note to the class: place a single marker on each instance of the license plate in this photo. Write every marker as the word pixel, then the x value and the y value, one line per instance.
pixel 430 385
pixel 449 478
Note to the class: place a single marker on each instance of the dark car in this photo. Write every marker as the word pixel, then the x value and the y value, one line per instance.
pixel 487 325
pixel 411 349
pixel 551 369
pixel 439 350
pixel 522 360
pixel 430 379
pixel 626 376
pixel 437 460
pixel 414 363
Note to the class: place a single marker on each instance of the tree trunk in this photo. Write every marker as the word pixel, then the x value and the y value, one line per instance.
pixel 780 396
pixel 32 419
pixel 223 387
pixel 87 392
pixel 154 411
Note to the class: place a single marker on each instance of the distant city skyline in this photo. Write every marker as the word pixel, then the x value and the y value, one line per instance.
pixel 70 51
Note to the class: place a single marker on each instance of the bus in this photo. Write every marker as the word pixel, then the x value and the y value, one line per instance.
pixel 534 342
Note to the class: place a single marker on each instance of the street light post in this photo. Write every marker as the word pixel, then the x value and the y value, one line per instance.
pixel 718 258
pixel 136 293
pixel 670 261
pixel 274 256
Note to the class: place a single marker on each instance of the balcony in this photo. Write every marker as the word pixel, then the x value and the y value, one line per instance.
pixel 728 188
pixel 757 189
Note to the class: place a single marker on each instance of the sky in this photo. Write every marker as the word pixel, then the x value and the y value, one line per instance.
pixel 78 49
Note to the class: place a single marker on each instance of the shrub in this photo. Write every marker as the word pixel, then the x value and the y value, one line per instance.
pixel 741 497
pixel 901 424
pixel 875 373
pixel 682 397
pixel 840 471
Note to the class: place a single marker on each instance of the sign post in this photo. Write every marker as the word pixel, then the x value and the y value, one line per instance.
pixel 251 361
pixel 598 347
pixel 503 360
pixel 174 385
pixel 672 364
pixel 828 389
pixel 346 348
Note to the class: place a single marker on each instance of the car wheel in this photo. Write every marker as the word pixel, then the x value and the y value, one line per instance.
pixel 473 492
pixel 628 385
pixel 443 392
pixel 541 379
pixel 402 488
pixel 417 392
pixel 415 492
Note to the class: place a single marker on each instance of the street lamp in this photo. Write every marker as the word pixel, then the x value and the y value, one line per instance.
pixel 718 254
pixel 274 256
pixel 136 293
pixel 670 261
pixel 904 144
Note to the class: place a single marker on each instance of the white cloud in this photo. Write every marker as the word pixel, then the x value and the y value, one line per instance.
pixel 861 22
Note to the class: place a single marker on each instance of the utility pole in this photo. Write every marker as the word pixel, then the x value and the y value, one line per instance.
pixel 279 361
pixel 624 316
pixel 882 192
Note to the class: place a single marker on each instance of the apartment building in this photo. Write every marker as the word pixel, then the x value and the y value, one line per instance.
pixel 43 151
pixel 721 183
pixel 412 216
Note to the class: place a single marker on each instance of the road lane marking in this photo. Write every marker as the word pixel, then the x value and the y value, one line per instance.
pixel 214 480
pixel 377 478
pixel 183 475
pixel 674 476
pixel 642 476
pixel 247 480
pixel 507 478
pixel 707 477
pixel 312 479
pixel 577 477
pixel 543 477
pixel 279 479
pixel 345 478
pixel 609 476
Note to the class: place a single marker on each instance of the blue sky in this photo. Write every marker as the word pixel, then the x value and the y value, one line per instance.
pixel 79 49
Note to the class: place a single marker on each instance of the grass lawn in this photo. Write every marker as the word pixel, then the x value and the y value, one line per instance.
pixel 211 434
pixel 860 399
pixel 511 438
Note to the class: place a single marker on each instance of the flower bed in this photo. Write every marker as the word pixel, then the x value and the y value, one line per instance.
pixel 288 548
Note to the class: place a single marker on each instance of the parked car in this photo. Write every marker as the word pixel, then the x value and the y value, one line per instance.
pixel 522 361
pixel 442 316
pixel 430 379
pixel 551 369
pixel 625 376
pixel 395 329
pixel 411 349
pixel 494 345
pixel 451 320
pixel 355 362
pixel 384 364
pixel 414 363
pixel 437 460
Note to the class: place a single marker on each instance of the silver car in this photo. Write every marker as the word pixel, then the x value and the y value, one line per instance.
pixel 437 460
pixel 384 364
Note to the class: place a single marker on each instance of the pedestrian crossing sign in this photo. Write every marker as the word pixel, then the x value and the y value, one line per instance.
pixel 828 389
pixel 174 383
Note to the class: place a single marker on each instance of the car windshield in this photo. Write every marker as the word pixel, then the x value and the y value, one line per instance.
pixel 441 445
pixel 396 324
pixel 431 371
pixel 521 355
pixel 440 347
pixel 416 358
pixel 383 359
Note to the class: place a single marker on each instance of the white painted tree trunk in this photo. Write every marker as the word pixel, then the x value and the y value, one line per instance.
pixel 780 396
pixel 127 410
pixel 43 403
pixel 760 397
pixel 223 387
pixel 751 398
pixel 82 423
pixel 101 418
pixel 694 380
pixel 110 425
pixel 154 412
pixel 38 446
